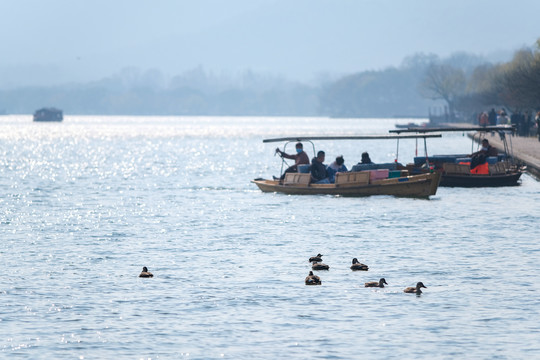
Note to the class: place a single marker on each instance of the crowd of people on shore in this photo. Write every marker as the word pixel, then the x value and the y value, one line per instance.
pixel 525 124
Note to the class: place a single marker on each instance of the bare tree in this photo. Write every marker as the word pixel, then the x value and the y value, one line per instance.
pixel 443 81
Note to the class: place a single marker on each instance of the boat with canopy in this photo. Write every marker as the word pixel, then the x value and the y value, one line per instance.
pixel 364 179
pixel 501 170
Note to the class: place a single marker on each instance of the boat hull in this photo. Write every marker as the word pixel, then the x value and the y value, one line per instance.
pixel 418 186
pixel 475 180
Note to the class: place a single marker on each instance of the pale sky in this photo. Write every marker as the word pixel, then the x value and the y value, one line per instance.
pixel 56 41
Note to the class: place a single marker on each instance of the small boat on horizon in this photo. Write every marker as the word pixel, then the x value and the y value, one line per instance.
pixel 48 114
pixel 411 125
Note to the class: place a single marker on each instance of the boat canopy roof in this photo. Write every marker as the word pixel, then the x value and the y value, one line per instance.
pixel 455 129
pixel 353 137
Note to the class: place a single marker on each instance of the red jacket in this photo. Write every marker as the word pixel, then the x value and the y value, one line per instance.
pixel 481 169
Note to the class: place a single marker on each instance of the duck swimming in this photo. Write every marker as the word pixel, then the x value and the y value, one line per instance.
pixel 379 283
pixel 313 279
pixel 317 258
pixel 145 273
pixel 319 266
pixel 358 266
pixel 416 289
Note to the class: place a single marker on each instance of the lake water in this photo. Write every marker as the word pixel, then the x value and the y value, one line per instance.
pixel 86 203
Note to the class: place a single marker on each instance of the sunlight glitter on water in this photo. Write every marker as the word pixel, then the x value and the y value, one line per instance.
pixel 88 202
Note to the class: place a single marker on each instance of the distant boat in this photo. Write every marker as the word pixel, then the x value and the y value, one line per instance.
pixel 48 114
pixel 410 125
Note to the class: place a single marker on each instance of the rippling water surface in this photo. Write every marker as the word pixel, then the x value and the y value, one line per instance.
pixel 84 204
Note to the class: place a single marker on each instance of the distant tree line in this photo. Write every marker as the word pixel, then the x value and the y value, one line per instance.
pixel 196 92
pixel 385 93
pixel 512 86
pixel 463 84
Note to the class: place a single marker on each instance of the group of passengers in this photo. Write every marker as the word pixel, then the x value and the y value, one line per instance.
pixel 320 173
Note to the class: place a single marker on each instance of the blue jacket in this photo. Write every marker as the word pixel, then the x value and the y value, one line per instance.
pixel 332 173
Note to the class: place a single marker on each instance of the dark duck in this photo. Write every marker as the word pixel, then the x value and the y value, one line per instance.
pixel 415 290
pixel 379 283
pixel 313 279
pixel 358 266
pixel 319 266
pixel 145 273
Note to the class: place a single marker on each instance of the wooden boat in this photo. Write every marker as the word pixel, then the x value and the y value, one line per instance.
pixel 503 171
pixel 48 114
pixel 355 183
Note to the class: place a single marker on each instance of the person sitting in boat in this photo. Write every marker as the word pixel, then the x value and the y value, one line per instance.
pixel 479 159
pixel 300 158
pixel 486 150
pixel 365 158
pixel 335 167
pixel 319 174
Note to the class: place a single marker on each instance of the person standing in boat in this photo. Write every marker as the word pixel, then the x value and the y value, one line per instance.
pixel 319 174
pixel 335 167
pixel 300 158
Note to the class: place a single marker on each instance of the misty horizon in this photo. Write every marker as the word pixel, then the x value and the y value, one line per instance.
pixel 61 42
